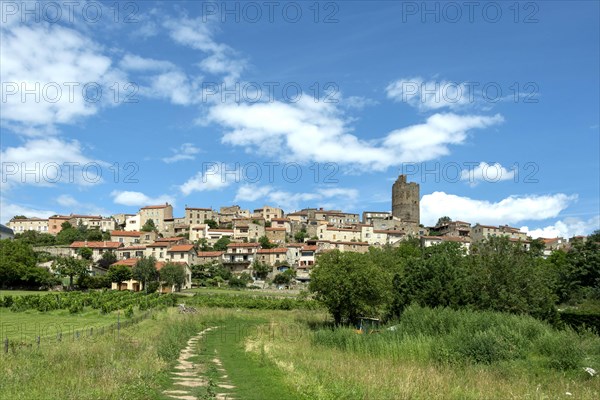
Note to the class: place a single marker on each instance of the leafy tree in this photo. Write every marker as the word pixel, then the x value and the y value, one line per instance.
pixel 212 224
pixel 85 252
pixel 202 244
pixel 94 235
pixel 504 277
pixel 16 261
pixel 265 243
pixel 282 279
pixel 19 217
pixel 349 285
pixel 36 238
pixel 240 281
pixel 301 235
pixel 119 274
pixel 221 244
pixel 173 275
pixel 71 267
pixel 69 234
pixel 149 226
pixel 261 270
pixel 108 258
pixel 443 220
pixel 438 279
pixel 144 271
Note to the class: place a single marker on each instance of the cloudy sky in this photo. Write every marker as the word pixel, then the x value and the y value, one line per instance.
pixel 491 108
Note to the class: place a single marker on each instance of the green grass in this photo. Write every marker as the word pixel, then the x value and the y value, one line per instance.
pixel 22 292
pixel 254 376
pixel 25 326
pixel 244 292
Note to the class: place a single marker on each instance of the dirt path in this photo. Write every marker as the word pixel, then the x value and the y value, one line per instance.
pixel 189 375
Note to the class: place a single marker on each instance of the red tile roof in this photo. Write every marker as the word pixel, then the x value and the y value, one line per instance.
pixel 243 245
pixel 170 239
pixel 309 248
pixel 128 262
pixel 160 264
pixel 141 247
pixel 276 250
pixel 96 245
pixel 158 244
pixel 154 207
pixel 181 248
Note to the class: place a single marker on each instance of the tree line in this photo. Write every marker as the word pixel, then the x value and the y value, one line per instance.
pixel 497 275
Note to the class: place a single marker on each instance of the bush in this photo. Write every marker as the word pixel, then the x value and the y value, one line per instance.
pixel 129 312
pixel 562 350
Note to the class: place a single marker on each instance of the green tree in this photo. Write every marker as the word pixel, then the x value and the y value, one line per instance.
pixel 212 224
pixel 221 244
pixel 144 271
pixel 36 238
pixel 261 270
pixel 443 220
pixel 202 245
pixel 300 235
pixel 149 226
pixel 265 243
pixel 173 275
pixel 108 258
pixel 119 274
pixel 504 277
pixel 85 252
pixel 350 285
pixel 71 267
pixel 17 260
pixel 240 281
pixel 94 235
pixel 437 279
pixel 282 279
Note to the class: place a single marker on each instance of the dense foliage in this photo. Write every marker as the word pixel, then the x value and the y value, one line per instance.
pixel 105 301
pixel 251 302
pixel 497 275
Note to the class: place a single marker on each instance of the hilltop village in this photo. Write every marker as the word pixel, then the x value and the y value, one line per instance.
pixel 238 238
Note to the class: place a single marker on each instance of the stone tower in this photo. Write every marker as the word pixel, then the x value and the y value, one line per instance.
pixel 405 200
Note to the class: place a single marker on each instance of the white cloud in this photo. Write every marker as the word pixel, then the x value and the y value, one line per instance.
pixel 128 198
pixel 485 172
pixel 9 210
pixel 566 228
pixel 132 62
pixel 307 131
pixel 215 176
pixel 510 210
pixel 187 151
pixel 49 161
pixel 67 200
pixel 329 197
pixel 198 34
pixel 61 66
pixel 429 95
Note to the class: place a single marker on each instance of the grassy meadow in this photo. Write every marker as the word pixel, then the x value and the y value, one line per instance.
pixel 297 354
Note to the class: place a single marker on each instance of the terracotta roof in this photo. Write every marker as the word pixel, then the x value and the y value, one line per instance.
pixel 181 247
pixel 210 253
pixel 309 248
pixel 272 251
pixel 28 219
pixel 155 207
pixel 158 244
pixel 160 264
pixel 488 226
pixel 96 245
pixel 275 229
pixel 126 233
pixel 86 216
pixel 243 245
pixel 344 243
pixel 128 262
pixel 133 248
pixel 198 208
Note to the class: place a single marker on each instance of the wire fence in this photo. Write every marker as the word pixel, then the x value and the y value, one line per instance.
pixel 74 335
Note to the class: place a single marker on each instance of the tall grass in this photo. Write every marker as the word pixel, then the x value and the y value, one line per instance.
pixel 449 336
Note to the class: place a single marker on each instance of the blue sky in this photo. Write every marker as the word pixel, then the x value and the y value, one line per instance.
pixel 498 104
